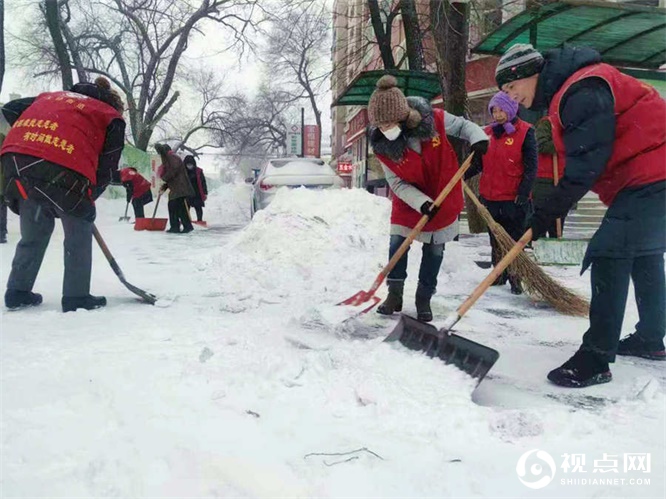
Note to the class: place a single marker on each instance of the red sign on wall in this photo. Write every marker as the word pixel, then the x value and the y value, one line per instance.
pixel 311 133
pixel 345 167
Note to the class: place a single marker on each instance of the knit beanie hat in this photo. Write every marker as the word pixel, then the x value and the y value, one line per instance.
pixel 387 103
pixel 506 104
pixel 520 61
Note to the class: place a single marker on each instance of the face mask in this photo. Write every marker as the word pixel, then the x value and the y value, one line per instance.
pixel 392 133
pixel 190 166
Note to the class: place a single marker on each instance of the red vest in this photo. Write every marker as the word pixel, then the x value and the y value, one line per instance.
pixel 139 184
pixel 429 172
pixel 64 128
pixel 639 150
pixel 545 167
pixel 503 165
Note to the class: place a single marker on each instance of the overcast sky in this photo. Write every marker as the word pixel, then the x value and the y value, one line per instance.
pixel 204 50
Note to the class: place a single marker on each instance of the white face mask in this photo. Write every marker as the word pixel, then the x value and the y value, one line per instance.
pixel 189 166
pixel 392 133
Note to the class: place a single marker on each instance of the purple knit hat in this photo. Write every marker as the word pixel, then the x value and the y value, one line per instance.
pixel 506 104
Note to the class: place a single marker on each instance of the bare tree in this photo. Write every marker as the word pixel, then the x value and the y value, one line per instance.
pixel 413 35
pixel 255 127
pixel 138 45
pixel 51 13
pixel 297 51
pixel 2 42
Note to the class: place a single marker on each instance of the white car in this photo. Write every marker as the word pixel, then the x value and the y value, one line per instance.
pixel 290 172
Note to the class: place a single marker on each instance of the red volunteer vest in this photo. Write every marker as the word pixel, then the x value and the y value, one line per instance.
pixel 639 150
pixel 503 165
pixel 429 172
pixel 139 184
pixel 65 128
pixel 545 167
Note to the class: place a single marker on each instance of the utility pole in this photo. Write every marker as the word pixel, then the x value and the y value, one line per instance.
pixel 302 132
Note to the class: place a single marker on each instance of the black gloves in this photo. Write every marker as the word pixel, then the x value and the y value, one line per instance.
pixel 480 148
pixel 521 200
pixel 429 209
pixel 540 223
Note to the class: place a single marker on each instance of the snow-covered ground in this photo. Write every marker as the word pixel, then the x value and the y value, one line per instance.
pixel 242 381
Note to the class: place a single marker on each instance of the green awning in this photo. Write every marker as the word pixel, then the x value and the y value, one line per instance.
pixel 625 35
pixel 417 83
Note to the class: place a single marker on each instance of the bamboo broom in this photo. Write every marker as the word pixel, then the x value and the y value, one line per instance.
pixel 536 282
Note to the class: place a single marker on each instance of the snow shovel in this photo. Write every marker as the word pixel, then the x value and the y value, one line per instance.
pixel 471 357
pixel 147 297
pixel 365 296
pixel 125 218
pixel 151 223
pixel 548 251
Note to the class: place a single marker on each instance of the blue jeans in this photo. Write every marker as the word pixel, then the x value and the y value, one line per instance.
pixel 431 261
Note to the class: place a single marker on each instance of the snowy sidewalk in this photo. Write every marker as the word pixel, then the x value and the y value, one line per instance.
pixel 235 384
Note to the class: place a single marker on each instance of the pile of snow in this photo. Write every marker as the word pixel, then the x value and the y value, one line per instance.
pixel 310 245
pixel 229 204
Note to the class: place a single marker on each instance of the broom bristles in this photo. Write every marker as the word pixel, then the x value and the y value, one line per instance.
pixel 536 282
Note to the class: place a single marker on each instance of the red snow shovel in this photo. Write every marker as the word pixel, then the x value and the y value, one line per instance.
pixel 365 296
pixel 473 358
pixel 151 223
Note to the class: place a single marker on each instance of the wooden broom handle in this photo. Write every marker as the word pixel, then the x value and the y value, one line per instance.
pixel 497 271
pixel 556 180
pixel 424 219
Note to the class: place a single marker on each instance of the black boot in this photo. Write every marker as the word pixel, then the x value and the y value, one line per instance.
pixel 15 299
pixel 90 302
pixel 3 237
pixel 423 311
pixel 516 285
pixel 636 346
pixel 585 368
pixel 393 302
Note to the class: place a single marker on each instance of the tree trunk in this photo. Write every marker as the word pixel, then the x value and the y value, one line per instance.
pixel 413 37
pixel 450 31
pixel 52 15
pixel 382 35
pixel 2 42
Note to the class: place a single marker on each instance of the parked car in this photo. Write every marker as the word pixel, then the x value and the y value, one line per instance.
pixel 290 172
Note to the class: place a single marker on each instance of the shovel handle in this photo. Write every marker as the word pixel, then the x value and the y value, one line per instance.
pixel 496 272
pixel 424 220
pixel 107 252
pixel 157 203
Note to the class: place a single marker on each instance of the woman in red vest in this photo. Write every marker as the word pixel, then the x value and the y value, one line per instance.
pixel 544 185
pixel 509 169
pixel 58 158
pixel 409 138
pixel 609 128
pixel 138 190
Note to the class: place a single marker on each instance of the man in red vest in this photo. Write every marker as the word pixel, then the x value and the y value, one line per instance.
pixel 138 190
pixel 509 168
pixel 609 128
pixel 409 137
pixel 57 158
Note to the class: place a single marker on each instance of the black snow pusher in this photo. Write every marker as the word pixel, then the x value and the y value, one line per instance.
pixel 471 357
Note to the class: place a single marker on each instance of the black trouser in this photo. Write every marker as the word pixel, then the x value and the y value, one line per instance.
pixel 610 287
pixel 513 219
pixel 140 202
pixel 3 217
pixel 199 211
pixel 178 214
